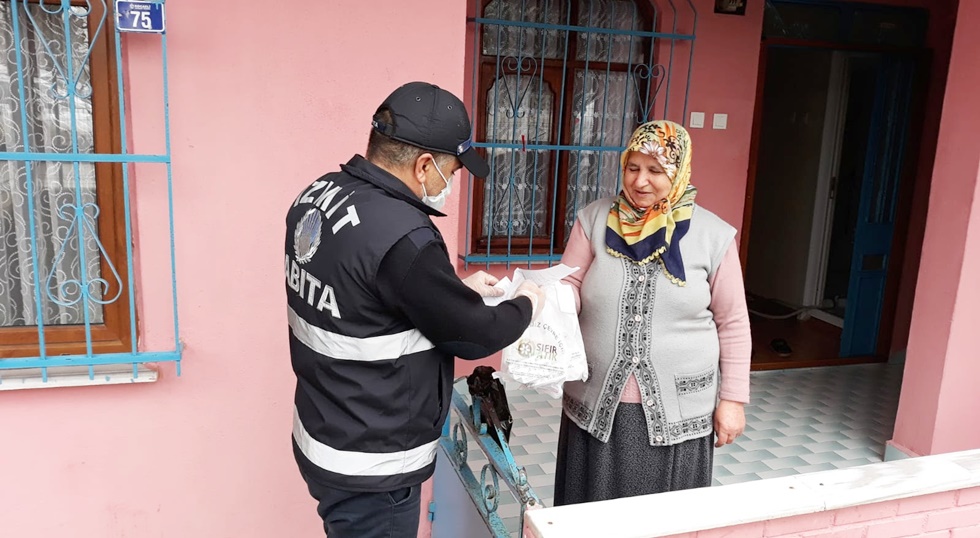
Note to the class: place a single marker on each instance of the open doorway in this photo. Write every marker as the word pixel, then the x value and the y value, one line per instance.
pixel 830 155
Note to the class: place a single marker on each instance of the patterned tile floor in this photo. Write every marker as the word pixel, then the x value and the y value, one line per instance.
pixel 799 421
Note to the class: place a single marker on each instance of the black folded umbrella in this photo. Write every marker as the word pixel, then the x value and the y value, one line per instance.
pixel 489 392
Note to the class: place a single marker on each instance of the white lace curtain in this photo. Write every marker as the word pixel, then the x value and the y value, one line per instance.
pixel 42 101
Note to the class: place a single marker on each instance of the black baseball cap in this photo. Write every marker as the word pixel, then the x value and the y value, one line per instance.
pixel 426 116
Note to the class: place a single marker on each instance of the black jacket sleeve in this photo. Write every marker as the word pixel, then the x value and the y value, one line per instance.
pixel 416 278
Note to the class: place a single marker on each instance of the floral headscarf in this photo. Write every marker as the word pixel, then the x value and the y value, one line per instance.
pixel 646 235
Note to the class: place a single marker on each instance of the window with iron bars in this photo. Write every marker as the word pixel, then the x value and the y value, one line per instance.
pixel 559 87
pixel 66 262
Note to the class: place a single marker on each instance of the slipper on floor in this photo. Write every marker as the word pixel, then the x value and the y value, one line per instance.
pixel 781 347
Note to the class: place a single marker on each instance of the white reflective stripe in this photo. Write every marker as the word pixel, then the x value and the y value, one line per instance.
pixel 374 348
pixel 361 463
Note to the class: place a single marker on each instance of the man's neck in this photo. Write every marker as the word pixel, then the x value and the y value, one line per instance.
pixel 403 175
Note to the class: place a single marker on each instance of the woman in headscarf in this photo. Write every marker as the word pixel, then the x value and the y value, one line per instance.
pixel 666 330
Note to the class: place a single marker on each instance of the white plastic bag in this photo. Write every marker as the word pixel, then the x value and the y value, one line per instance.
pixel 551 351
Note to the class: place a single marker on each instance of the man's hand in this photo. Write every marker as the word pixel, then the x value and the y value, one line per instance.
pixel 729 421
pixel 482 283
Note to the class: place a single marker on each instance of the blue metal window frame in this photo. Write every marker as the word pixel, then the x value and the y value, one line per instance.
pixel 653 70
pixel 133 356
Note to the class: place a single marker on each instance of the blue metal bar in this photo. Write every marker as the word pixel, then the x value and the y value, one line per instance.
pixel 170 199
pixel 90 360
pixel 548 147
pixel 581 123
pixel 474 99
pixel 91 47
pixel 629 79
pixel 79 216
pixel 124 149
pixel 512 258
pixel 690 63
pixel 561 124
pixel 650 101
pixel 537 130
pixel 605 100
pixel 80 157
pixel 35 264
pixel 518 97
pixel 574 28
pixel 489 212
pixel 670 62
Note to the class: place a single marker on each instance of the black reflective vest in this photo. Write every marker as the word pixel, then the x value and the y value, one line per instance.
pixel 364 419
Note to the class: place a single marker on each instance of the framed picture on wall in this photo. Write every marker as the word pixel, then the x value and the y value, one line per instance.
pixel 730 7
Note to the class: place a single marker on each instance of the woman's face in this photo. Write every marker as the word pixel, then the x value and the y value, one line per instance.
pixel 644 180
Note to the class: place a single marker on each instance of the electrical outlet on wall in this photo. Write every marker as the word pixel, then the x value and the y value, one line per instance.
pixel 720 121
pixel 697 120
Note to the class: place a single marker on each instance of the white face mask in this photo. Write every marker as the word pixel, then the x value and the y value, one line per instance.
pixel 438 201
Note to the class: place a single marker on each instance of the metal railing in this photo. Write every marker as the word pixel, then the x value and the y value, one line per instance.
pixel 486 491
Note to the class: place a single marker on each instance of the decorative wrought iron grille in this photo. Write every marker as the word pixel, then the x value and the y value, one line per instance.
pixel 465 423
pixel 66 222
pixel 558 87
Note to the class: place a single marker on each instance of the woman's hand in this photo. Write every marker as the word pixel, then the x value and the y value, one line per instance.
pixel 729 421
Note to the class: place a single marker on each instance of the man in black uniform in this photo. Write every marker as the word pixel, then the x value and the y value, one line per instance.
pixel 377 313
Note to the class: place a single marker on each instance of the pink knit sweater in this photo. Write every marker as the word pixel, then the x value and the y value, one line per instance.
pixel 727 306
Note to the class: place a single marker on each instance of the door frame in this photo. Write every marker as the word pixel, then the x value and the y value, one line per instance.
pixel 823 209
pixel 906 185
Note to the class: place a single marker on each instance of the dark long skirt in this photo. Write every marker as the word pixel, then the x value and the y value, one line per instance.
pixel 590 470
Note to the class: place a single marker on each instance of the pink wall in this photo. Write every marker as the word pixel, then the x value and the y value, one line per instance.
pixel 264 98
pixel 938 399
pixel 726 62
pixel 952 514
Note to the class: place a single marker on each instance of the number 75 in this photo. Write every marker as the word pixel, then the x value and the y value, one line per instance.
pixel 141 19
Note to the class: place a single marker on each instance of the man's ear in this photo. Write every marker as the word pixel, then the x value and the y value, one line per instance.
pixel 422 166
